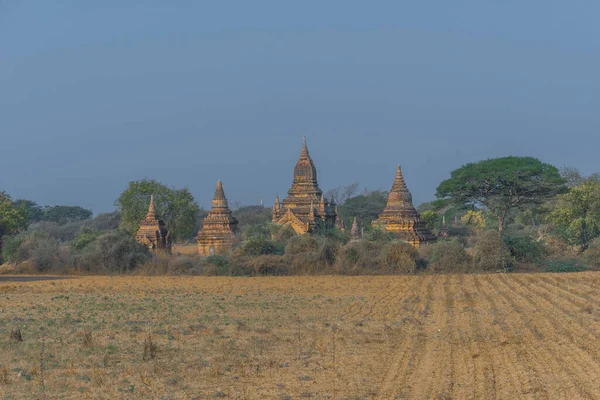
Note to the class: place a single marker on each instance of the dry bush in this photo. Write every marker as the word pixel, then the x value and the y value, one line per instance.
pixel 399 257
pixel 15 335
pixel 4 377
pixel 165 264
pixel 88 339
pixel 592 255
pixel 301 244
pixel 268 265
pixel 358 258
pixel 446 256
pixel 150 349
pixel 328 252
pixel 492 254
pixel 557 247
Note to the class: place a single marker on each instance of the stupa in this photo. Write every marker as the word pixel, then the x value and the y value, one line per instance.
pixel 401 218
pixel 153 232
pixel 305 208
pixel 444 229
pixel 219 227
pixel 355 233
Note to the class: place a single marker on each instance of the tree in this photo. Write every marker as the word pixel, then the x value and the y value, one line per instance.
pixel 176 207
pixel 503 184
pixel 64 214
pixel 576 214
pixel 12 218
pixel 431 218
pixel 32 211
pixel 365 208
pixel 341 194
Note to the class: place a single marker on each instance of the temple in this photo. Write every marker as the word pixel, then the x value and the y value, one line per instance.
pixel 355 233
pixel 444 229
pixel 219 227
pixel 305 208
pixel 400 216
pixel 338 221
pixel 153 233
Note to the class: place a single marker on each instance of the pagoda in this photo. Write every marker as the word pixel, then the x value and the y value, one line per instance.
pixel 219 227
pixel 400 216
pixel 444 229
pixel 153 232
pixel 305 207
pixel 355 233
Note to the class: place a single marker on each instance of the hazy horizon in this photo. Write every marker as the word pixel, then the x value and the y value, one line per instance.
pixel 94 95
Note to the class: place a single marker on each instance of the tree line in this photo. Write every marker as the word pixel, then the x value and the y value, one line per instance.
pixel 538 211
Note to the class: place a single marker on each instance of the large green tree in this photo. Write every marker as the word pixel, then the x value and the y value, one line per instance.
pixel 576 214
pixel 503 184
pixel 176 207
pixel 64 214
pixel 365 207
pixel 12 218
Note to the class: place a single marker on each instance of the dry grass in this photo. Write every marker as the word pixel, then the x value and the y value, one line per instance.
pixel 404 337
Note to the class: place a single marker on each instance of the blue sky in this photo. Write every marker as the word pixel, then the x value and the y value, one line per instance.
pixel 96 94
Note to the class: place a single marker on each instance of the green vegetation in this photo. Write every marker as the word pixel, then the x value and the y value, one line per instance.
pixel 176 207
pixel 512 213
pixel 503 184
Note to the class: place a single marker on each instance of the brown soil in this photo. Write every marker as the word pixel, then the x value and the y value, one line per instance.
pixel 511 336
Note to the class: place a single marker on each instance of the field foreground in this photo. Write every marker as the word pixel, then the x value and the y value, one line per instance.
pixel 397 337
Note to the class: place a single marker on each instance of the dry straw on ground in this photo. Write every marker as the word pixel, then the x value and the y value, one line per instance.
pixel 414 337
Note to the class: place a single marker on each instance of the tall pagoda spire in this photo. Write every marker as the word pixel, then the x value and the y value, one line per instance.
pixel 298 208
pixel 151 209
pixel 400 217
pixel 354 232
pixel 219 227
pixel 153 231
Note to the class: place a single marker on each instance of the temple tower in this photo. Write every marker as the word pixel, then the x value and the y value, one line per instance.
pixel 306 206
pixel 219 227
pixel 153 232
pixel 355 233
pixel 400 216
pixel 444 229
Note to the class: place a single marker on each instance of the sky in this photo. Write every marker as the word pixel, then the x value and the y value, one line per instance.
pixel 94 95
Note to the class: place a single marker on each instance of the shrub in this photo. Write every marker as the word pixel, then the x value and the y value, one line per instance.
pixel 524 248
pixel 257 246
pixel 399 257
pixel 216 265
pixel 492 254
pixel 557 247
pixel 564 265
pixel 328 252
pixel 447 256
pixel 114 252
pixel 592 255
pixel 268 265
pixel 359 258
pixel 376 234
pixel 10 247
pixel 301 244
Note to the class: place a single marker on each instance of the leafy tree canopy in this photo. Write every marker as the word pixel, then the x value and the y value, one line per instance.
pixel 365 207
pixel 503 184
pixel 176 207
pixel 12 217
pixel 63 214
pixel 576 214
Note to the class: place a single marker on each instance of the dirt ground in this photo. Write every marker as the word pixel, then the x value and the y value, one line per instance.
pixel 509 336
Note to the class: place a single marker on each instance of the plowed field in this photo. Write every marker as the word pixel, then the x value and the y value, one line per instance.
pixel 399 337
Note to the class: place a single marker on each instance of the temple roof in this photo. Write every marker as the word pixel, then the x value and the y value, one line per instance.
pixel 305 175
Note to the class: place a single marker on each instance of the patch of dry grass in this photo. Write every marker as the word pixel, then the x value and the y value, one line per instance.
pixel 301 337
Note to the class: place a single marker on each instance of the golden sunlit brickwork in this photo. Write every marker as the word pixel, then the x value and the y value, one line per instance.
pixel 305 207
pixel 401 218
pixel 153 232
pixel 219 227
